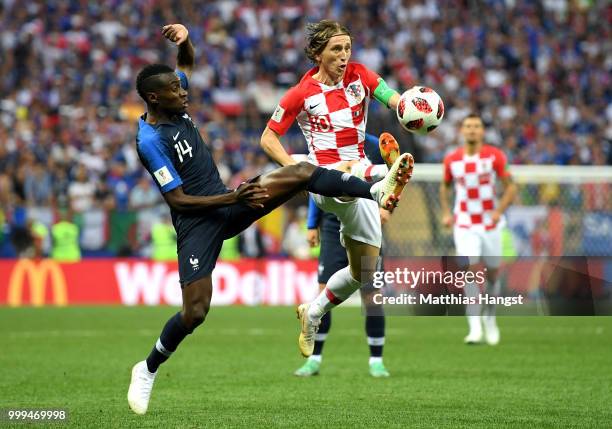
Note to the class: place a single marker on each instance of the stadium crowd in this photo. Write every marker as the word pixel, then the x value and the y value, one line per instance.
pixel 539 72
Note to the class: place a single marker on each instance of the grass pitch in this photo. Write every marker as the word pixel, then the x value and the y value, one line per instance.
pixel 236 370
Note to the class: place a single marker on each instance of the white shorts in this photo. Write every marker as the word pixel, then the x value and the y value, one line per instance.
pixel 359 218
pixel 477 244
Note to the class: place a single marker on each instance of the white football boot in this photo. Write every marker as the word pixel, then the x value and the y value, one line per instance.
pixel 308 329
pixel 475 336
pixel 387 192
pixel 141 385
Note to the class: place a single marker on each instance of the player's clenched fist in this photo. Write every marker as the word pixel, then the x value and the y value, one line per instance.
pixel 176 33
pixel 251 194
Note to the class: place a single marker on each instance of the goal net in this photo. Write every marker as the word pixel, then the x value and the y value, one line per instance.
pixel 558 211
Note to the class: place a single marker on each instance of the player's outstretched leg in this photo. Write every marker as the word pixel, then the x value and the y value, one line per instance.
pixel 389 150
pixel 340 286
pixel 196 303
pixel 283 183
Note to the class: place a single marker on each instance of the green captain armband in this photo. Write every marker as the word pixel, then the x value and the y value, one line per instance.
pixel 383 93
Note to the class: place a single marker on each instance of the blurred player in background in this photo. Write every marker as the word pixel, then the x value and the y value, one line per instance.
pixel 478 217
pixel 330 104
pixel 324 228
pixel 204 212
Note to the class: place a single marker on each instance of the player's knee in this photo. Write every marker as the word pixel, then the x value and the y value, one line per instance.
pixel 195 314
pixel 304 170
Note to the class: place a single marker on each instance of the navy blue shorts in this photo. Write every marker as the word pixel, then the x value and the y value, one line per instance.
pixel 333 257
pixel 199 250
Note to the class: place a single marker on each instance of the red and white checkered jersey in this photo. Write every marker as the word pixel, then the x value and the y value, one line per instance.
pixel 475 177
pixel 332 118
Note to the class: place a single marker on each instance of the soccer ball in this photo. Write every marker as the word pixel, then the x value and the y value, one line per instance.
pixel 420 110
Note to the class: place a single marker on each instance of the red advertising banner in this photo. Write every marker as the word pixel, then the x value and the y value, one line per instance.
pixel 134 282
pixel 261 281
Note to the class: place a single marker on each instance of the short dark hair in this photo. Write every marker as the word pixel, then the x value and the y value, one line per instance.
pixel 144 84
pixel 318 35
pixel 473 115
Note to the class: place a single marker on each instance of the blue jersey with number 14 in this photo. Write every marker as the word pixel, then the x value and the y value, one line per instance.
pixel 175 154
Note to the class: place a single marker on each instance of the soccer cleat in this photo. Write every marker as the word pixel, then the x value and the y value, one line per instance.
pixel 141 385
pixel 378 370
pixel 308 329
pixel 389 149
pixel 311 367
pixel 387 192
pixel 491 331
pixel 474 337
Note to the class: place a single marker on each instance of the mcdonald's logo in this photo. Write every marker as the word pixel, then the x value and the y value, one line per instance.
pixel 37 276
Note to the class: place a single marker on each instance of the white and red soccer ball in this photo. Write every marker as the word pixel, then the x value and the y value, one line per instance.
pixel 420 110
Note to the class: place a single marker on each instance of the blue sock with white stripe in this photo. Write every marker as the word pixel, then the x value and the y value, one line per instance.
pixel 375 331
pixel 321 334
pixel 173 333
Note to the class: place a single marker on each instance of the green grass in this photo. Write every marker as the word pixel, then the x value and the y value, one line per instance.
pixel 236 370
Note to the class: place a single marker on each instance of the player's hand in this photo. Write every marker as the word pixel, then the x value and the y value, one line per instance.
pixel 385 215
pixel 251 194
pixel 176 33
pixel 447 220
pixel 495 216
pixel 312 236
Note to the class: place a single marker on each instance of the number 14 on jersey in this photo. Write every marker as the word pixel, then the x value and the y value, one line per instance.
pixel 183 149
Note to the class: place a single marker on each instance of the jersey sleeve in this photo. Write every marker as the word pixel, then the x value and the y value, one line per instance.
pixel 183 77
pixel 500 165
pixel 314 214
pixel 448 176
pixel 287 110
pixel 158 163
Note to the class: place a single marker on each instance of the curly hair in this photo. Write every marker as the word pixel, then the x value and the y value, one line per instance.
pixel 318 35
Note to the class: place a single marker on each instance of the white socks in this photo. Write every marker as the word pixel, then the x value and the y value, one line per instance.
pixel 472 291
pixel 493 290
pixel 376 172
pixel 475 311
pixel 340 286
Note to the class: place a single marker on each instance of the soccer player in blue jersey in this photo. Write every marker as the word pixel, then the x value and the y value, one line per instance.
pixel 204 212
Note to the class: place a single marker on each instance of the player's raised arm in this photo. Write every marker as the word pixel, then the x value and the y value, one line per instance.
pixel 381 92
pixel 185 59
pixel 385 95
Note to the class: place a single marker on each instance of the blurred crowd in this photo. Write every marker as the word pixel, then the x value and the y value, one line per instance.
pixel 539 73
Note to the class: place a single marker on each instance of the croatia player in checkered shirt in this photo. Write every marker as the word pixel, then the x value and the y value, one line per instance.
pixel 330 104
pixel 478 217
